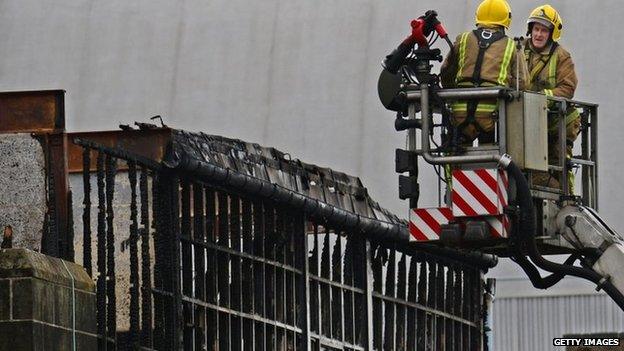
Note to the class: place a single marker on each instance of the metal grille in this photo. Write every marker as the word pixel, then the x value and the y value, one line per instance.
pixel 211 269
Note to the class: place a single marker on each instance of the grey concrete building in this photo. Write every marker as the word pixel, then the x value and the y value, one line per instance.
pixel 299 75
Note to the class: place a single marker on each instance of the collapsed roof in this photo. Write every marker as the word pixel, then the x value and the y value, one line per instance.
pixel 335 197
pixel 330 197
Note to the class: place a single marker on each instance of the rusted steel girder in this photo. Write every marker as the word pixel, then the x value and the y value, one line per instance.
pixel 58 242
pixel 32 111
pixel 42 114
pixel 150 144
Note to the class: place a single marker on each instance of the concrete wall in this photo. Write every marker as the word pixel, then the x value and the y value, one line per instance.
pixel 22 189
pixel 121 229
pixel 295 74
pixel 299 75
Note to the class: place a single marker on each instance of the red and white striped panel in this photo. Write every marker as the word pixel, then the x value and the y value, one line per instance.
pixel 479 192
pixel 425 223
pixel 499 226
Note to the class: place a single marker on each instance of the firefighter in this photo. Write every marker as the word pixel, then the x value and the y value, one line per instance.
pixel 480 58
pixel 551 71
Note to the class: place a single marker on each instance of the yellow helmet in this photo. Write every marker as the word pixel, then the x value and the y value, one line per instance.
pixel 494 12
pixel 547 16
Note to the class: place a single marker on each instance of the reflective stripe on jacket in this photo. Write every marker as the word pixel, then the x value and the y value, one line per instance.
pixel 554 76
pixel 499 68
pixel 557 77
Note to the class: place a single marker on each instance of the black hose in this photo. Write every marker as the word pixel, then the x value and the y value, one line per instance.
pixel 518 255
pixel 580 272
pixel 525 202
pixel 534 275
pixel 527 236
pixel 482 260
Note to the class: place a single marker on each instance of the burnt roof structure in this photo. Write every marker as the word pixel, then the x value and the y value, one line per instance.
pixel 325 195
pixel 336 197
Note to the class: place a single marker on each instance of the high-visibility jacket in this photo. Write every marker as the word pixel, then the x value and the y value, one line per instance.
pixel 551 71
pixel 502 64
pixel 553 74
pixel 498 68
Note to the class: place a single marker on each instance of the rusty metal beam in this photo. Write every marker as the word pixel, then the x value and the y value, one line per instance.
pixel 42 113
pixel 146 143
pixel 58 240
pixel 57 173
pixel 32 111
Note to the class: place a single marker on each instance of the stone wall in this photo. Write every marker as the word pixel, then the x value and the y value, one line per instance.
pixel 39 310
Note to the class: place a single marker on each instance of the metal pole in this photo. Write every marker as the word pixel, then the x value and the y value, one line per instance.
pixel 563 149
pixel 424 116
pixel 177 321
pixel 490 293
pixel 411 133
pixel 304 287
pixel 464 94
pixel 369 294
pixel 585 155
pixel 425 147
pixel 594 154
pixel 502 127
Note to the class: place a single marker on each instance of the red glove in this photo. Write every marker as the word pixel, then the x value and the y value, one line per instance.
pixel 417 36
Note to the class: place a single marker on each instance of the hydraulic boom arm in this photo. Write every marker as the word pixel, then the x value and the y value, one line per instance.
pixel 601 248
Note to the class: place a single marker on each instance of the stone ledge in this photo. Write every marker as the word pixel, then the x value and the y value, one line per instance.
pixel 34 335
pixel 39 300
pixel 23 263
